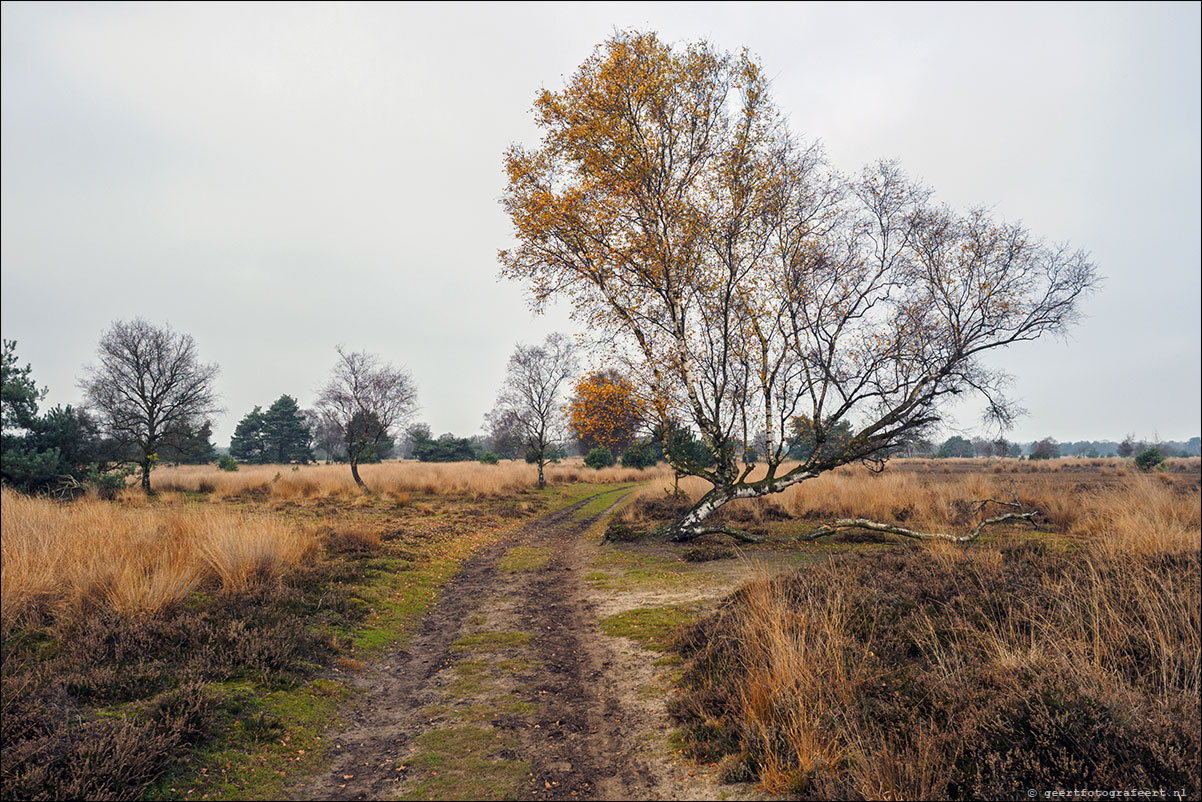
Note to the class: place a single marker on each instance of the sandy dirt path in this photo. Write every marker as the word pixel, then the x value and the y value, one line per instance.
pixel 511 671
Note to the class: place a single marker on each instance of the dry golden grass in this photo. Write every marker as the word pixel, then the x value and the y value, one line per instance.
pixel 438 478
pixel 1117 621
pixel 1100 465
pixel 786 703
pixel 800 657
pixel 1136 512
pixel 66 559
pixel 1142 515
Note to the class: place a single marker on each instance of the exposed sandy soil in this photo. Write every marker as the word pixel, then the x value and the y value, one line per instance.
pixel 565 711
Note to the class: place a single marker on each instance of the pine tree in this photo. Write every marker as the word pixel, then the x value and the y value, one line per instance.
pixel 20 395
pixel 285 432
pixel 249 443
pixel 41 452
pixel 191 446
pixel 198 449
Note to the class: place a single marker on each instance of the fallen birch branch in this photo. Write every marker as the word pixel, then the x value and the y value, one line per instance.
pixel 876 526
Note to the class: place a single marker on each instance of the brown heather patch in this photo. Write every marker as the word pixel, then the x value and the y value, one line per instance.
pixel 953 673
pixel 100 706
pixel 352 537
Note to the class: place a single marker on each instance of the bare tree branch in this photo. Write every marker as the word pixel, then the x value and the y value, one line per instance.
pixel 876 526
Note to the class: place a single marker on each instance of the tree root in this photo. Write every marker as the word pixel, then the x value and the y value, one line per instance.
pixel 684 536
pixel 876 526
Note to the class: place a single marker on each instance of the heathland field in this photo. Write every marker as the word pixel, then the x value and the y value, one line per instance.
pixel 276 632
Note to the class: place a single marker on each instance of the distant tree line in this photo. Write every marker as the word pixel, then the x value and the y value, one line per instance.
pixel 149 400
pixel 66 449
pixel 1050 448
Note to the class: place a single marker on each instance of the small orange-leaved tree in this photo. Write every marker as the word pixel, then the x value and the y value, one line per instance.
pixel 605 411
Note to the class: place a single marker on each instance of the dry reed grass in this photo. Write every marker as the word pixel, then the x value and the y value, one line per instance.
pixel 786 704
pixel 929 672
pixel 938 670
pixel 62 560
pixel 436 478
pixel 1143 513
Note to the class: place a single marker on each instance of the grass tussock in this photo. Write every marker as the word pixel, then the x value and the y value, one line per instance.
pixel 67 560
pixel 953 673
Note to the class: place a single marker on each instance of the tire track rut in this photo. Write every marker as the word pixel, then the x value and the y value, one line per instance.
pixel 577 736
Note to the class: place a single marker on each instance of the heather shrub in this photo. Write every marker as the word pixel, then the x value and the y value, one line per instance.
pixel 641 455
pixel 161 673
pixel 950 673
pixel 1148 459
pixel 600 457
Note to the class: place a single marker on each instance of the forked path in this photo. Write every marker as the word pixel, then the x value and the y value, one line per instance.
pixel 509 689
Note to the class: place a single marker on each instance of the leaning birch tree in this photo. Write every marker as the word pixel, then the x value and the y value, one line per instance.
pixel 747 284
pixel 365 401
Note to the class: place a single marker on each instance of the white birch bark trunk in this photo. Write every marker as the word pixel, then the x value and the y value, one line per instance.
pixel 693 523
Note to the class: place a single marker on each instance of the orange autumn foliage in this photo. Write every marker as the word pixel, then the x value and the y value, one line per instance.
pixel 605 411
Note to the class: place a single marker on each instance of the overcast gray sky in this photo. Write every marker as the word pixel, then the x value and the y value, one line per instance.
pixel 277 179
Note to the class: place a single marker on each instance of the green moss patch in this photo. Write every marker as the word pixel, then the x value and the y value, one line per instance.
pixel 261 739
pixel 653 627
pixel 466 763
pixel 649 579
pixel 525 558
pixel 620 558
pixel 602 502
pixel 491 640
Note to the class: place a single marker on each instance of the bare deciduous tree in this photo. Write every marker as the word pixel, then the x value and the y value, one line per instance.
pixel 747 284
pixel 147 386
pixel 327 438
pixel 504 436
pixel 530 400
pixel 366 401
